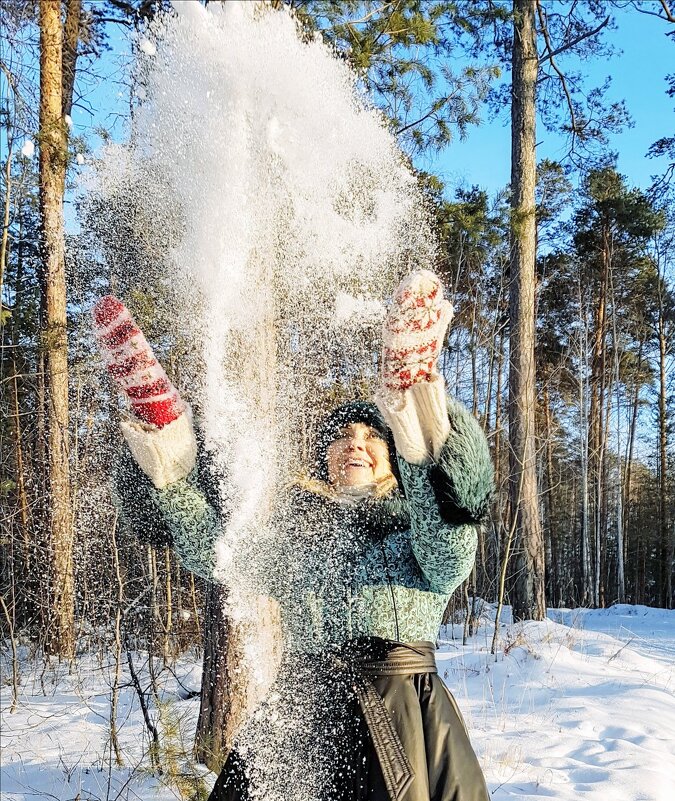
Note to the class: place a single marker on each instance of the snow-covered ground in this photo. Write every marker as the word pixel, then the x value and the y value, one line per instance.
pixel 580 706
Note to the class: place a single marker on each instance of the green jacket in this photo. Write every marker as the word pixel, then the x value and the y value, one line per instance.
pixel 382 568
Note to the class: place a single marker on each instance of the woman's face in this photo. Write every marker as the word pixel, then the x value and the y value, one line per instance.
pixel 358 456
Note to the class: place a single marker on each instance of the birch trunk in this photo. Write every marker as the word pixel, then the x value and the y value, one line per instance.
pixel 627 488
pixel 501 511
pixel 586 581
pixel 620 572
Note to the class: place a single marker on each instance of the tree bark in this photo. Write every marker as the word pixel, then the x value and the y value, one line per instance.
pixel 227 694
pixel 665 557
pixel 501 512
pixel 603 575
pixel 214 723
pixel 620 570
pixel 53 158
pixel 229 690
pixel 584 435
pixel 627 488
pixel 597 423
pixel 529 596
pixel 70 42
pixel 551 543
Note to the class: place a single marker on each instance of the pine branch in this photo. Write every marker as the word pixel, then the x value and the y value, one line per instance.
pixel 560 74
pixel 574 42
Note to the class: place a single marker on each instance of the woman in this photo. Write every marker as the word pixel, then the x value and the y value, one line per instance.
pixel 371 545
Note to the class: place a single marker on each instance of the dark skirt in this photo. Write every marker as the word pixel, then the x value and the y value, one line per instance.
pixel 346 743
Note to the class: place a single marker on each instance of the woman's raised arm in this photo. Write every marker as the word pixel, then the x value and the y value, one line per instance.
pixel 165 482
pixel 443 454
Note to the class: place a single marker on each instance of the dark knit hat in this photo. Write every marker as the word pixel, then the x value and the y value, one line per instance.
pixel 344 415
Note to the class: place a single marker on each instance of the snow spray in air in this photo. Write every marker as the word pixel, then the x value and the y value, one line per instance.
pixel 283 212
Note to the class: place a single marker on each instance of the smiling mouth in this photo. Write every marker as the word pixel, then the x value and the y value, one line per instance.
pixel 358 463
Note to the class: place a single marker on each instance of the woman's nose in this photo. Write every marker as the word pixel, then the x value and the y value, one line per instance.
pixel 356 444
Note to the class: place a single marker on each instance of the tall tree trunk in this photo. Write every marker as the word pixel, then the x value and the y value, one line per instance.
pixel 604 492
pixel 529 597
pixel 665 556
pixel 551 533
pixel 586 583
pixel 501 516
pixel 4 239
pixel 596 413
pixel 229 689
pixel 214 724
pixel 620 573
pixel 22 493
pixel 473 350
pixel 620 568
pixel 627 494
pixel 53 158
pixel 167 622
pixel 570 560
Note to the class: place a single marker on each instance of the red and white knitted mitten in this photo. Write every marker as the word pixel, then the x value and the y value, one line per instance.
pixel 133 366
pixel 414 330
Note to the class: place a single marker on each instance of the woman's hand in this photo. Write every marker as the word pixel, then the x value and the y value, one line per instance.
pixel 133 366
pixel 414 331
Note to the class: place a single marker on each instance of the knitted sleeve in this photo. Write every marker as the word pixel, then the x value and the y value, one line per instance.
pixel 444 551
pixel 448 498
pixel 183 514
pixel 136 512
pixel 462 474
pixel 192 521
pixel 432 429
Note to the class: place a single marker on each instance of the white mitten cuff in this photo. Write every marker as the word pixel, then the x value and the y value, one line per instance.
pixel 165 454
pixel 432 412
pixel 400 413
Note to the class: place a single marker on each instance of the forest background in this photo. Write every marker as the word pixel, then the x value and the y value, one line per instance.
pixel 557 252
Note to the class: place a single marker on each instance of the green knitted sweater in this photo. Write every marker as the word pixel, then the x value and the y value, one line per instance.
pixel 382 568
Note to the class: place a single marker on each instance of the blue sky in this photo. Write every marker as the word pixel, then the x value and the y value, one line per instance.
pixel 645 55
pixel 638 75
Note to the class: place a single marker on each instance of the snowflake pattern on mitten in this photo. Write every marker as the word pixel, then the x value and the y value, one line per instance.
pixel 414 330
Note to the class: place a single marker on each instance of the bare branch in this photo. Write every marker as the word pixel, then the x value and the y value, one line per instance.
pixel 667 16
pixel 116 20
pixel 370 14
pixel 9 75
pixel 127 8
pixel 574 42
pixel 560 74
pixel 434 109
